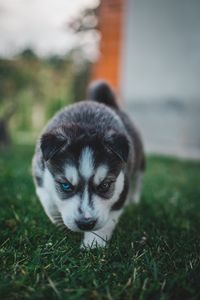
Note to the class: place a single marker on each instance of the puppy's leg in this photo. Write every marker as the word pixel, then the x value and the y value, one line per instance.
pixel 135 198
pixel 49 207
pixel 100 237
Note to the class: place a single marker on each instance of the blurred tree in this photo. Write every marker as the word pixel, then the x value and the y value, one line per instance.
pixel 36 88
pixel 28 54
pixel 86 21
pixel 57 62
pixel 80 82
pixel 13 78
pixel 82 25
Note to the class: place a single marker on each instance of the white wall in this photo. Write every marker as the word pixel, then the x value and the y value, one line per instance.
pixel 160 73
pixel 161 53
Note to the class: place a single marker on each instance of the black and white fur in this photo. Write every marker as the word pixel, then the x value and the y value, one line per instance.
pixel 90 144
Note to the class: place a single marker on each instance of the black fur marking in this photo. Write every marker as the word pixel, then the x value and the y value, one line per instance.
pixel 39 181
pixel 90 194
pixel 119 204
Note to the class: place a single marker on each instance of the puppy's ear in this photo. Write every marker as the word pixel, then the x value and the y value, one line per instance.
pixel 118 144
pixel 52 143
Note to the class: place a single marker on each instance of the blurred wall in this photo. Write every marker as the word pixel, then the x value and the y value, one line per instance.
pixel 161 50
pixel 160 73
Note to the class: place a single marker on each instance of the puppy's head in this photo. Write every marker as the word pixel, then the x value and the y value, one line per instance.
pixel 86 171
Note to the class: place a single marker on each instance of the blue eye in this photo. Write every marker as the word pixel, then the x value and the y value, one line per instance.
pixel 67 187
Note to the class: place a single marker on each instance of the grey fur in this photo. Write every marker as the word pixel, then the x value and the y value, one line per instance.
pixel 87 113
pixel 101 120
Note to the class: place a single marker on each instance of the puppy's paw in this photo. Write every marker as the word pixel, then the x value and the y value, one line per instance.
pixel 91 241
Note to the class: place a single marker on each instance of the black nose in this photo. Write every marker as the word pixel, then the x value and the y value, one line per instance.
pixel 86 223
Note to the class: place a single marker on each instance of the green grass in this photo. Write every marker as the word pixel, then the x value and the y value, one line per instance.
pixel 154 253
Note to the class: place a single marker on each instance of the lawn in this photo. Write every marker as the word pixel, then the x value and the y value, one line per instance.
pixel 154 252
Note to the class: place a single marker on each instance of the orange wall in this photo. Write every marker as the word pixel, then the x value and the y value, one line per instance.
pixel 110 25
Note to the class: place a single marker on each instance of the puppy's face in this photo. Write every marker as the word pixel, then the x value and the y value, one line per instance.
pixel 86 176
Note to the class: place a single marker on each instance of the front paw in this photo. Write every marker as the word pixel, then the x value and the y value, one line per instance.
pixel 91 241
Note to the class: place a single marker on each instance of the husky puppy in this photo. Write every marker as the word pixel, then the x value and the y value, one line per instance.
pixel 87 160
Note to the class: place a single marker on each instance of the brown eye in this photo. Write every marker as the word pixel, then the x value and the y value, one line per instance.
pixel 104 186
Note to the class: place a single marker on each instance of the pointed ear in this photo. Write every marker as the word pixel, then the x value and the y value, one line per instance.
pixel 51 143
pixel 118 144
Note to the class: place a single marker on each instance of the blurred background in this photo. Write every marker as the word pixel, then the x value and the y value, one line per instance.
pixel 149 50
